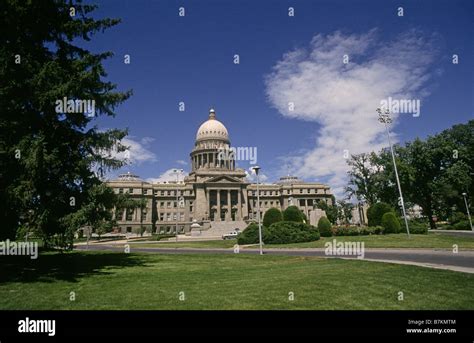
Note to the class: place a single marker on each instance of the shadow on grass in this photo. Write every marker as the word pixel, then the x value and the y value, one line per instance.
pixel 69 266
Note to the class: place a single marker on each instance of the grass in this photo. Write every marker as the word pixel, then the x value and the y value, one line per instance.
pixel 431 240
pixel 108 280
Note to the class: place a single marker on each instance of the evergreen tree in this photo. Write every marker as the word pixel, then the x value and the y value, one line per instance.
pixel 51 159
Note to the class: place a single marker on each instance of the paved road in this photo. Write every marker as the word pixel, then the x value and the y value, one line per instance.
pixel 443 259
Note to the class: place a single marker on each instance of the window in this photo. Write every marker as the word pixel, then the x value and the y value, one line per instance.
pixel 162 217
pixel 168 204
pixel 130 190
pixel 120 190
pixel 129 215
pixel 301 190
pixel 162 204
pixel 302 202
pixel 162 192
pixel 145 191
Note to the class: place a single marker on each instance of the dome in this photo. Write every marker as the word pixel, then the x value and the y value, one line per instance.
pixel 212 129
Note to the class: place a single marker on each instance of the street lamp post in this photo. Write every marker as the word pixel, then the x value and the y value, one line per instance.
pixel 467 209
pixel 385 119
pixel 256 170
pixel 177 172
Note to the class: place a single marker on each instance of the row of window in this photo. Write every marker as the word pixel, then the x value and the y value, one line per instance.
pixel 191 192
pixel 286 191
pixel 302 203
pixel 168 217
pixel 172 204
pixel 155 192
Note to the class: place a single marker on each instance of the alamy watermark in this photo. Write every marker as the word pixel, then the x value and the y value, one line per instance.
pixel 346 248
pixel 410 106
pixel 28 325
pixel 241 153
pixel 19 249
pixel 66 105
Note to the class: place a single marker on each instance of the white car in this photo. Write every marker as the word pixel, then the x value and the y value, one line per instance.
pixel 230 235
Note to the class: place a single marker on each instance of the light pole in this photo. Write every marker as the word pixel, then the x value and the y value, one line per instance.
pixel 467 209
pixel 256 170
pixel 177 172
pixel 385 119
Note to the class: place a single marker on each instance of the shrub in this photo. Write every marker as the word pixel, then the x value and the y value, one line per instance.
pixel 324 227
pixel 273 215
pixel 457 217
pixel 390 223
pixel 374 230
pixel 293 214
pixel 379 230
pixel 418 229
pixel 249 235
pixel 290 232
pixel 462 225
pixel 357 230
pixel 346 231
pixel 376 211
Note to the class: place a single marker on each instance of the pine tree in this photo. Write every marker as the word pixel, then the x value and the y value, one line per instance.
pixel 50 160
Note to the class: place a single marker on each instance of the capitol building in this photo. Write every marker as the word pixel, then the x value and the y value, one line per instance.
pixel 215 196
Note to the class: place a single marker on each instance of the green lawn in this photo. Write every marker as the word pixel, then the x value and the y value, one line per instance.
pixel 432 240
pixel 107 280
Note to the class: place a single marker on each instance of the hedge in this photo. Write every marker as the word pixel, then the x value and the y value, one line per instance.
pixel 324 227
pixel 293 214
pixel 290 232
pixel 390 223
pixel 272 215
pixel 375 213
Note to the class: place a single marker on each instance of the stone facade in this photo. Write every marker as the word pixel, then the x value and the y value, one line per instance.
pixel 214 191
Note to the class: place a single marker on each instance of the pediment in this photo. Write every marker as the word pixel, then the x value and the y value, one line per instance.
pixel 223 179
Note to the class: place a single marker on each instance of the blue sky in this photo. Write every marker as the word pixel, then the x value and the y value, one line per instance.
pixel 190 59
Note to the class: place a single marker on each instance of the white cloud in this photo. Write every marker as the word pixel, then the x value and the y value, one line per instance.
pixel 342 98
pixel 182 162
pixel 167 176
pixel 137 152
pixel 252 177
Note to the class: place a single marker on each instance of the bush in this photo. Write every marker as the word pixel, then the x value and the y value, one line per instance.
pixel 250 234
pixel 462 225
pixel 376 211
pixel 272 215
pixel 457 217
pixel 418 229
pixel 346 231
pixel 373 230
pixel 390 223
pixel 290 232
pixel 357 230
pixel 324 227
pixel 293 214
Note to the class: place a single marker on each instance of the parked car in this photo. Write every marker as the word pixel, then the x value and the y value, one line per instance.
pixel 230 235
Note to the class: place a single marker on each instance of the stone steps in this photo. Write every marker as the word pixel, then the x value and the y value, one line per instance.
pixel 218 229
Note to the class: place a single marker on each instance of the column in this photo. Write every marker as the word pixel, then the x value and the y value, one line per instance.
pixel 208 199
pixel 229 207
pixel 239 204
pixel 218 216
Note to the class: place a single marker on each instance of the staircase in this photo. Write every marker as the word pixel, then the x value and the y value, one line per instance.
pixel 218 229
